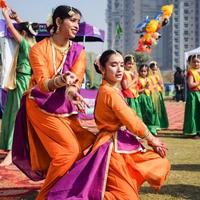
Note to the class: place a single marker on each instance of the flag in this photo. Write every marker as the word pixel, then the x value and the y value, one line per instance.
pixel 118 31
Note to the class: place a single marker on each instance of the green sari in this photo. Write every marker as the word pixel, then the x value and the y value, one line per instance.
pixel 149 115
pixel 192 114
pixel 23 75
pixel 159 106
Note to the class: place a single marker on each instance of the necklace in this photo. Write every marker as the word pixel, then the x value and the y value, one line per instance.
pixel 63 50
pixel 64 53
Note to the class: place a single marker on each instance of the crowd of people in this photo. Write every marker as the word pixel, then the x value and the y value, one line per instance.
pixel 40 124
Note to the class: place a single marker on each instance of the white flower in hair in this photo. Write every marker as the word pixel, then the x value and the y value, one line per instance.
pixel 49 20
pixel 30 28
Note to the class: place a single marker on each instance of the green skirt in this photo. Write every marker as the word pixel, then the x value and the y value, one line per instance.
pixel 159 106
pixel 135 105
pixel 10 111
pixel 149 116
pixel 192 114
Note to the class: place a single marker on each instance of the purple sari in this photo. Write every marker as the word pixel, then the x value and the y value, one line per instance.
pixel 52 102
pixel 56 102
pixel 86 180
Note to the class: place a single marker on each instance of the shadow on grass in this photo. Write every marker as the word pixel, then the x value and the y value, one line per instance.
pixel 190 192
pixel 30 196
pixel 186 167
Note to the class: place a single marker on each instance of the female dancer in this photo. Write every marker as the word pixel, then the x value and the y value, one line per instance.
pixel 118 164
pixel 55 136
pixel 130 84
pixel 24 36
pixel 157 88
pixel 149 115
pixel 192 108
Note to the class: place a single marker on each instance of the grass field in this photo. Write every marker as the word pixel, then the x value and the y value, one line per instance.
pixel 184 179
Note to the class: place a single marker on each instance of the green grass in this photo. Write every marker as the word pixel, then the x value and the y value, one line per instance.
pixel 184 179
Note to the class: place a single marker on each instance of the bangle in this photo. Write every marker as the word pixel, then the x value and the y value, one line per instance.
pixel 146 134
pixel 55 82
pixel 67 91
pixel 62 78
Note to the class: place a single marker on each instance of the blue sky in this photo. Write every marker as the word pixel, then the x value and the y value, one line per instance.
pixel 93 12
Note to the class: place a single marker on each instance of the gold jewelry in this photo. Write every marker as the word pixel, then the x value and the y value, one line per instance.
pixel 55 83
pixel 71 12
pixel 63 50
pixel 58 29
pixel 58 81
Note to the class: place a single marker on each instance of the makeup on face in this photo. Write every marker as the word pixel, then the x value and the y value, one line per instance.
pixel 143 72
pixel 70 26
pixel 196 62
pixel 129 65
pixel 114 69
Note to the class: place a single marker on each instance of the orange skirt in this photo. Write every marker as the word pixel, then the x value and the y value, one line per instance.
pixel 127 172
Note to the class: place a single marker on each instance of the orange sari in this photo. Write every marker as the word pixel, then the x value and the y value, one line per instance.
pixel 126 171
pixel 55 142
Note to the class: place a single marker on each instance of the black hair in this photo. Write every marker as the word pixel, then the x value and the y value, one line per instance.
pixel 62 12
pixel 30 28
pixel 106 55
pixel 178 69
pixel 152 65
pixel 189 58
pixel 129 58
pixel 193 56
pixel 142 66
pixel 97 68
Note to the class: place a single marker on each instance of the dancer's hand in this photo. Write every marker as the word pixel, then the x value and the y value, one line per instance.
pixel 158 146
pixel 69 78
pixel 13 15
pixel 76 99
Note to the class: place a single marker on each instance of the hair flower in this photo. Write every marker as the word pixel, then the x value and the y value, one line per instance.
pixel 49 20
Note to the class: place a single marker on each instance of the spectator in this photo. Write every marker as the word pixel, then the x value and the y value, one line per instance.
pixel 179 83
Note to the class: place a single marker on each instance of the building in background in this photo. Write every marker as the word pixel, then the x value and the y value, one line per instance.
pixel 186 29
pixel 180 35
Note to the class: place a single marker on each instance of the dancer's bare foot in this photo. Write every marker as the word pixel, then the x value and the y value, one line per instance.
pixel 7 160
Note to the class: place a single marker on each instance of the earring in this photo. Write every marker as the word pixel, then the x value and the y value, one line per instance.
pixel 58 29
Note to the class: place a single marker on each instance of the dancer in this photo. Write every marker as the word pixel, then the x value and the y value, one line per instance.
pixel 118 164
pixel 55 136
pixel 191 125
pixel 130 84
pixel 157 89
pixel 149 115
pixel 24 36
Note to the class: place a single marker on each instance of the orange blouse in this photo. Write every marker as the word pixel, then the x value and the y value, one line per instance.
pixel 196 76
pixel 41 60
pixel 112 112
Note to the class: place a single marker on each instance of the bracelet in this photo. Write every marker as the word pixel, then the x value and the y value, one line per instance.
pixel 67 91
pixel 62 78
pixel 57 85
pixel 146 134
